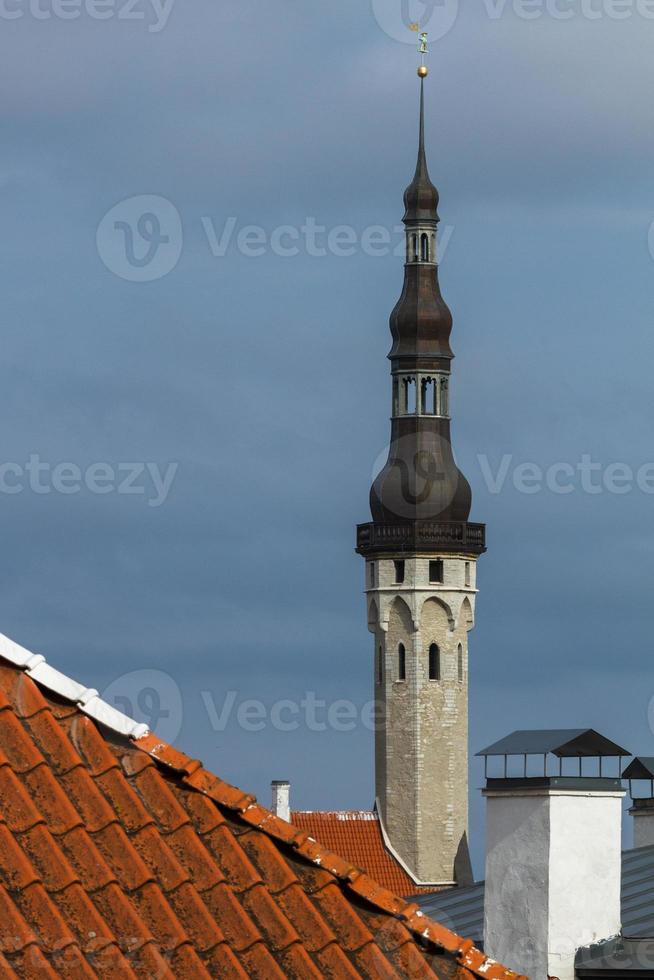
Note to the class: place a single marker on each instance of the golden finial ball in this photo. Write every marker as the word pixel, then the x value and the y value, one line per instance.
pixel 423 71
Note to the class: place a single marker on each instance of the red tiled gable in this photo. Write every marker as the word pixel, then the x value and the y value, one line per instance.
pixel 357 836
pixel 125 858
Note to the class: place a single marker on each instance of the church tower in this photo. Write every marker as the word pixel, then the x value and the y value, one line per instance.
pixel 421 553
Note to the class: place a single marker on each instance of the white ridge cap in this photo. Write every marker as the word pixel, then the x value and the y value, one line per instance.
pixel 86 698
pixel 14 653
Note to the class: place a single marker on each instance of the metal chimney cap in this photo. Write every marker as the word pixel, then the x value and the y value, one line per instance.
pixel 561 742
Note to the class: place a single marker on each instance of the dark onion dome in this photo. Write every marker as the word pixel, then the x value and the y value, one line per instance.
pixel 421 322
pixel 420 481
pixel 421 197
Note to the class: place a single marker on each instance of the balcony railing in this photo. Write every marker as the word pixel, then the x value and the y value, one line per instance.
pixel 421 536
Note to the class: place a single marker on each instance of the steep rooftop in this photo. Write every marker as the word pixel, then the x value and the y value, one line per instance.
pixel 121 856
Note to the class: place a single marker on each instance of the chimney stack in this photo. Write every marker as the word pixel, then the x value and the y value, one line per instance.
pixel 281 798
pixel 553 859
pixel 641 771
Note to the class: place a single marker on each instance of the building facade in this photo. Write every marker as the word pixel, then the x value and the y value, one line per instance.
pixel 420 552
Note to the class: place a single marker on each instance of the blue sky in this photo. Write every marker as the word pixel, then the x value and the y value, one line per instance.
pixel 263 380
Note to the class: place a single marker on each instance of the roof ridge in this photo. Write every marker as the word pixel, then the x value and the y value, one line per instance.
pixel 369 814
pixel 193 774
pixel 87 699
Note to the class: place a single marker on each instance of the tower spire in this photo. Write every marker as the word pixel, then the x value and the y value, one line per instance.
pixel 421 197
pixel 421 552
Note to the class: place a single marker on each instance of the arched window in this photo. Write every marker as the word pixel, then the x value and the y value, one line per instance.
pixel 424 248
pixel 445 400
pixel 380 675
pixel 414 243
pixel 401 663
pixel 434 663
pixel 459 662
pixel 428 388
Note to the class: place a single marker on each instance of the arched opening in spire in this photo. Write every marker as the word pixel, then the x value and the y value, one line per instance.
pixel 445 397
pixel 409 396
pixel 424 247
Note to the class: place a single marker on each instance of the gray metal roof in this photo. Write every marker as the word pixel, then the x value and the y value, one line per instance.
pixel 462 909
pixel 459 909
pixel 642 767
pixel 638 893
pixel 617 958
pixel 564 742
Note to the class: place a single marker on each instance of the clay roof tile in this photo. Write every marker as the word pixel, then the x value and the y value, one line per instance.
pixel 92 869
pixel 159 801
pixel 334 963
pixel 17 746
pixel 258 963
pixel 25 696
pixel 194 858
pixel 53 742
pixel 49 796
pixel 15 932
pixel 18 810
pixel 232 860
pixel 222 962
pixel 272 866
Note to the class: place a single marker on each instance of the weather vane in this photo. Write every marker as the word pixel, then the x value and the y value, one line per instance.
pixel 422 49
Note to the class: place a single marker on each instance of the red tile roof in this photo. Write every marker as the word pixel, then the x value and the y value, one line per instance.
pixel 125 858
pixel 357 836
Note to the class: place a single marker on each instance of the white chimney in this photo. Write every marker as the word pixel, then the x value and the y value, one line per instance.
pixel 281 798
pixel 553 861
pixel 641 771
